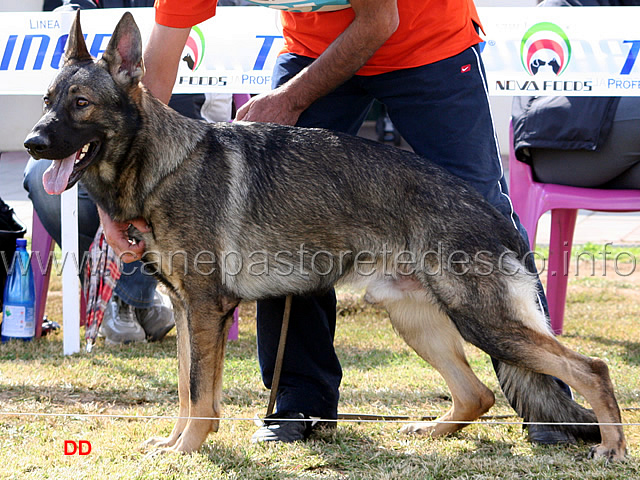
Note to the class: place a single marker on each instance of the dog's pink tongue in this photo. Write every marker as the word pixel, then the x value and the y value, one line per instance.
pixel 56 177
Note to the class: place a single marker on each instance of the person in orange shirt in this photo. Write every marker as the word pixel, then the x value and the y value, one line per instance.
pixel 421 59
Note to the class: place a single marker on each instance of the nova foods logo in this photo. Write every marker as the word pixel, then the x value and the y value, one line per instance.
pixel 545 48
pixel 193 52
pixel 545 53
pixel 192 56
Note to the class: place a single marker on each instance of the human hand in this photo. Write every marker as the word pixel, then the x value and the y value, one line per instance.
pixel 116 234
pixel 273 107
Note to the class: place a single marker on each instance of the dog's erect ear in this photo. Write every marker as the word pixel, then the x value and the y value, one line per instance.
pixel 123 56
pixel 76 50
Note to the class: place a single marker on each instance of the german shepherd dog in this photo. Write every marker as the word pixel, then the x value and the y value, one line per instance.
pixel 320 207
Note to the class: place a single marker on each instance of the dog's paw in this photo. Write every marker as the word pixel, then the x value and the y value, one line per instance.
pixel 608 454
pixel 419 428
pixel 438 428
pixel 159 442
pixel 156 452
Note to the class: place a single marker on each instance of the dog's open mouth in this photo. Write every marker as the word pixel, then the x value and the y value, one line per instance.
pixel 63 174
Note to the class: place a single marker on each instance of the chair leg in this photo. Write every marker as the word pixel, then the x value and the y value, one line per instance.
pixel 563 222
pixel 233 331
pixel 41 246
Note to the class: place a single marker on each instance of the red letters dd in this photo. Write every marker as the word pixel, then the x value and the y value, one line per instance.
pixel 82 447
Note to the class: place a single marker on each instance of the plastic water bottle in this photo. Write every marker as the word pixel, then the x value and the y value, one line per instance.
pixel 18 310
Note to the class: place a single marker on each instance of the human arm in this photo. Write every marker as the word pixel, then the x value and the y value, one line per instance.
pixel 374 22
pixel 162 59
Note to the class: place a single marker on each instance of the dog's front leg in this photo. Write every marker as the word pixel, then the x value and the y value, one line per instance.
pixel 184 366
pixel 207 330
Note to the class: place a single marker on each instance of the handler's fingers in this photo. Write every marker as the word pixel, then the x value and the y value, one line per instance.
pixel 131 254
pixel 141 225
pixel 241 114
pixel 118 238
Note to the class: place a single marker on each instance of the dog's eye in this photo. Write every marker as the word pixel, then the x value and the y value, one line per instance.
pixel 46 101
pixel 82 102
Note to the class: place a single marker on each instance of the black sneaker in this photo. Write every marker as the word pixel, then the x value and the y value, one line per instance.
pixel 10 229
pixel 546 435
pixel 294 426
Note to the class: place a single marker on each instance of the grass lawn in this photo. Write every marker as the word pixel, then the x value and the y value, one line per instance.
pixel 381 376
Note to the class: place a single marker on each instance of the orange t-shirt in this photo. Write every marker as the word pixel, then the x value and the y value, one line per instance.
pixel 429 30
pixel 183 13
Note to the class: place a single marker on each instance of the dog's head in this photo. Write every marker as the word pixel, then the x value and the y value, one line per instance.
pixel 88 104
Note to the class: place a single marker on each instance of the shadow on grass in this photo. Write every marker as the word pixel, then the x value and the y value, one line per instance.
pixel 350 453
pixel 162 394
pixel 631 348
pixel 372 358
pixel 51 349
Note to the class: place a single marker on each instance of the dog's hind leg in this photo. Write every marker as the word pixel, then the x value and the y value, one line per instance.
pixel 184 366
pixel 435 338
pixel 511 329
pixel 588 376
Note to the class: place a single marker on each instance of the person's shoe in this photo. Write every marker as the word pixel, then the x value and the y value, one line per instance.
pixel 156 320
pixel 294 426
pixel 119 324
pixel 545 435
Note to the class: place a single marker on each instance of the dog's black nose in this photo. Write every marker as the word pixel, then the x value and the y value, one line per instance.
pixel 36 143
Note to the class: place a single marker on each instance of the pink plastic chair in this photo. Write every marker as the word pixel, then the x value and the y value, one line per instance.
pixel 531 199
pixel 239 99
pixel 41 246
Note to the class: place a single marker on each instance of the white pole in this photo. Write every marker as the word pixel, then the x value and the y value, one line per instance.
pixel 70 279
pixel 70 258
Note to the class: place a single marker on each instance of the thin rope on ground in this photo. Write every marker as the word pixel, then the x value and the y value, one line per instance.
pixel 318 419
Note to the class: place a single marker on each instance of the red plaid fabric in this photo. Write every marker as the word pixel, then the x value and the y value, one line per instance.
pixel 101 275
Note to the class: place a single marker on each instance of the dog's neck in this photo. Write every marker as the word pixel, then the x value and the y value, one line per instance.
pixel 165 123
pixel 147 161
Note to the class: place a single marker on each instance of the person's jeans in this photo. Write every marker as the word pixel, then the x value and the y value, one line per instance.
pixel 134 286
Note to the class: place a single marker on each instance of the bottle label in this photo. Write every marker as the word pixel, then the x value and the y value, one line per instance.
pixel 18 321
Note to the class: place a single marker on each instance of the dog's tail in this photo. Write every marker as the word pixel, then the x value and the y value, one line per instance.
pixel 540 398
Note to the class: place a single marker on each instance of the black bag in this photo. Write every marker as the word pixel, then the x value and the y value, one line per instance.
pixel 10 229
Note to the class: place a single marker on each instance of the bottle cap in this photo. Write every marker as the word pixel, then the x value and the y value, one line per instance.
pixel 21 242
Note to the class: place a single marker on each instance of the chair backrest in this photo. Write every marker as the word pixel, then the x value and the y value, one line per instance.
pixel 239 99
pixel 520 178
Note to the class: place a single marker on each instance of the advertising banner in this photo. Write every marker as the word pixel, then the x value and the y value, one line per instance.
pixel 527 51
pixel 562 50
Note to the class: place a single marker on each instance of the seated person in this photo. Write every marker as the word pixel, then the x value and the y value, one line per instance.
pixel 580 141
pixel 136 310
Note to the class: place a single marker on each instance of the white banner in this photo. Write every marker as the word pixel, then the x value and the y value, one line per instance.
pixel 232 52
pixel 562 50
pixel 527 51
